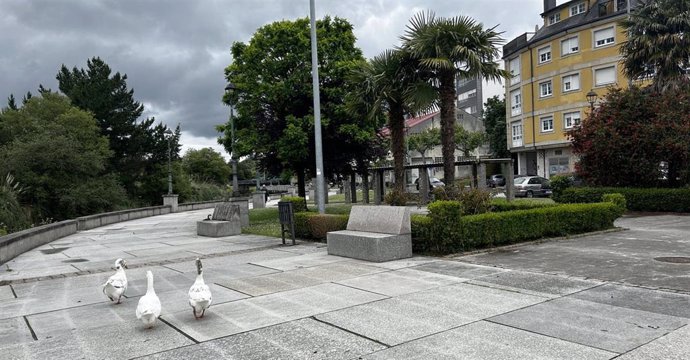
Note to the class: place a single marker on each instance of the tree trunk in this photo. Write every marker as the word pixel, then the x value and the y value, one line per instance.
pixel 447 97
pixel 396 122
pixel 300 182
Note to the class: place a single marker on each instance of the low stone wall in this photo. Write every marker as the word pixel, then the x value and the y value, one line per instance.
pixel 19 242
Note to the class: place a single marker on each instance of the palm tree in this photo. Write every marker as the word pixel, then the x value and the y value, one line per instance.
pixel 658 43
pixel 450 48
pixel 391 86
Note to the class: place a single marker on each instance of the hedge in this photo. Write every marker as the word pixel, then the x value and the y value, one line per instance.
pixel 315 226
pixel 500 205
pixel 299 203
pixel 439 235
pixel 637 199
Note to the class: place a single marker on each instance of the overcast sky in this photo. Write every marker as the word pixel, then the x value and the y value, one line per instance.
pixel 174 51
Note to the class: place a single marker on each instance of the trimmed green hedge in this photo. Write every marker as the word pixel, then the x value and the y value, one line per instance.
pixel 299 203
pixel 449 235
pixel 637 199
pixel 501 205
pixel 315 226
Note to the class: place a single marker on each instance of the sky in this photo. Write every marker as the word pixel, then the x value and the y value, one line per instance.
pixel 174 51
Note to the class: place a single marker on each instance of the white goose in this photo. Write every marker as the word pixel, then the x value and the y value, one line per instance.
pixel 116 285
pixel 149 307
pixel 199 294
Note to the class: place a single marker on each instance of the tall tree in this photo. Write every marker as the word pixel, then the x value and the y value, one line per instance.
pixel 274 99
pixel 11 103
pixel 450 48
pixel 424 141
pixel 392 86
pixel 206 165
pixel 468 141
pixel 136 145
pixel 658 44
pixel 495 125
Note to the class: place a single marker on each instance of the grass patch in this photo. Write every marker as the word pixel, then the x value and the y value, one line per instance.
pixel 267 223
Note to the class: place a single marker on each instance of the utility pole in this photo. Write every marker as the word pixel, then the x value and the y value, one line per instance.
pixel 320 193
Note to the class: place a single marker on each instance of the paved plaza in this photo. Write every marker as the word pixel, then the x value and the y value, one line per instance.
pixel 600 296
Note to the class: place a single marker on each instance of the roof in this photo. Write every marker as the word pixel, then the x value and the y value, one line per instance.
pixel 412 122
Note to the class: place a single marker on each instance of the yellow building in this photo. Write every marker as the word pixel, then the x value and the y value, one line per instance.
pixel 574 52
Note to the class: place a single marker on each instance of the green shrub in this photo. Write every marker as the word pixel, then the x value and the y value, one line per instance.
pixel 475 201
pixel 500 205
pixel 493 229
pixel 395 198
pixel 560 183
pixel 299 203
pixel 315 226
pixel 637 199
pixel 445 210
pixel 616 198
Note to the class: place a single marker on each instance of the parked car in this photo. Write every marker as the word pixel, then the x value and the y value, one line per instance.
pixel 433 183
pixel 496 180
pixel 532 186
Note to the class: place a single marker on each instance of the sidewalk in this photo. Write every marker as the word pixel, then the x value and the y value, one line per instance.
pixel 297 302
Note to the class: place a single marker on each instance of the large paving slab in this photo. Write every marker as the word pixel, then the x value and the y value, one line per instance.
pixel 257 312
pixel 660 302
pixel 299 261
pixel 14 331
pixel 408 317
pixel 295 279
pixel 536 283
pixel 300 339
pixel 597 325
pixel 399 282
pixel 673 346
pixel 484 340
pixel 6 292
pixel 458 269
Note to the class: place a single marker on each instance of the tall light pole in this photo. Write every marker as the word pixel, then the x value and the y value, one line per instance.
pixel 230 89
pixel 169 134
pixel 317 113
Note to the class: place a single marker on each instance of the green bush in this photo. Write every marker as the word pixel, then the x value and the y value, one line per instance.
pixel 315 226
pixel 560 183
pixel 395 198
pixel 454 234
pixel 500 205
pixel 299 203
pixel 637 199
pixel 474 201
pixel 617 199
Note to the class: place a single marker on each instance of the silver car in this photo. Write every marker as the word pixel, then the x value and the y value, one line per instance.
pixel 532 186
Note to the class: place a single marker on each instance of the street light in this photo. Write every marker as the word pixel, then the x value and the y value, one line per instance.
pixel 230 89
pixel 169 134
pixel 591 99
pixel 320 183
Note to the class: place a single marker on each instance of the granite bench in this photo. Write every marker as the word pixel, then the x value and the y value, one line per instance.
pixel 225 221
pixel 374 233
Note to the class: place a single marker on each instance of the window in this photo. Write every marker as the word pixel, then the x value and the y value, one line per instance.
pixel 467 94
pixel 515 103
pixel 570 46
pixel 514 66
pixel 604 37
pixel 605 76
pixel 577 9
pixel 547 123
pixel 470 109
pixel 544 54
pixel 554 18
pixel 517 133
pixel 558 165
pixel 571 82
pixel 571 119
pixel 545 89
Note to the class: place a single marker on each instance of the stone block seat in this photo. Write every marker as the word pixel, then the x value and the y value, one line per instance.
pixel 225 221
pixel 374 233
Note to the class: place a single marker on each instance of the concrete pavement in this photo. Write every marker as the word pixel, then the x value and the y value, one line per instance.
pixel 595 297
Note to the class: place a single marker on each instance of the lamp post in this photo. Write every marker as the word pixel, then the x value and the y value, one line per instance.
pixel 320 185
pixel 230 89
pixel 169 134
pixel 591 99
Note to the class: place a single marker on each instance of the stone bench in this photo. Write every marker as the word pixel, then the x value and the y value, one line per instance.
pixel 374 233
pixel 225 221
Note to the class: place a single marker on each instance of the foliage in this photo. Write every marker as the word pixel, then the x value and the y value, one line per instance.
pixel 155 184
pixel 316 226
pixel 474 200
pixel 658 43
pixel 274 97
pixel 299 204
pixel 453 234
pixel 136 146
pixel 204 191
pixel 617 199
pixel 500 205
pixel 494 117
pixel 560 183
pixel 55 150
pixel 631 134
pixel 395 198
pixel 206 165
pixel 468 141
pixel 450 48
pixel 424 141
pixel 12 215
pixel 637 199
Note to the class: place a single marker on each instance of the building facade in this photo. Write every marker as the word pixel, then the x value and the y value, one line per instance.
pixel 469 96
pixel 575 51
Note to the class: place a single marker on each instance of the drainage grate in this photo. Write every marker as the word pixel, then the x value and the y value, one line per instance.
pixel 674 259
